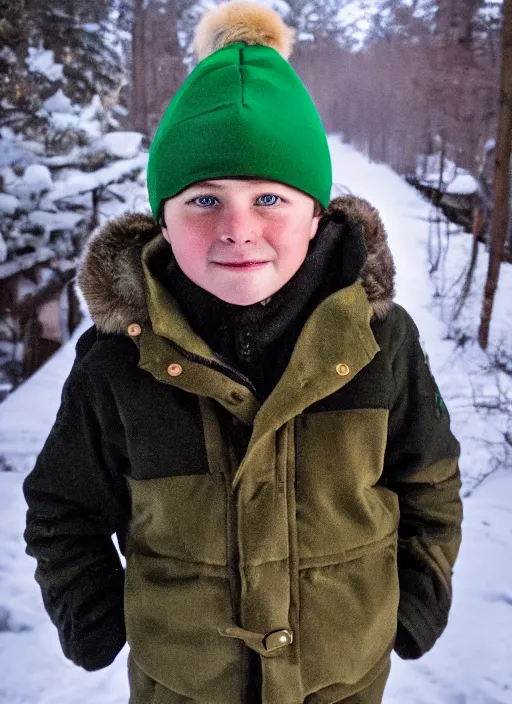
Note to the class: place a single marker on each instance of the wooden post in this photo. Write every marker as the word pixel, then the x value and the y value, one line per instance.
pixel 478 223
pixel 501 179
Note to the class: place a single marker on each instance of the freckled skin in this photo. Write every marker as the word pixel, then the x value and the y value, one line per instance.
pixel 228 220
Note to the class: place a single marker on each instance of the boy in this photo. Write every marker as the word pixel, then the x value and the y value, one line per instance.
pixel 251 415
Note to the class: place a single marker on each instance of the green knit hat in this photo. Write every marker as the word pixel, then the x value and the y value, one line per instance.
pixel 242 112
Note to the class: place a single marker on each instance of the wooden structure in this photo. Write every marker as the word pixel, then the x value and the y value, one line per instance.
pixel 38 312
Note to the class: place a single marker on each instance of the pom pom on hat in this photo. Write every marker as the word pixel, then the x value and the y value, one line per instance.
pixel 242 22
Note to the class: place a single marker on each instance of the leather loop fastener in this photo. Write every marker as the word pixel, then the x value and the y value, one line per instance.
pixel 266 645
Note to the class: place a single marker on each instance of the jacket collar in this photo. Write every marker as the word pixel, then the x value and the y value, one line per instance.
pixel 113 280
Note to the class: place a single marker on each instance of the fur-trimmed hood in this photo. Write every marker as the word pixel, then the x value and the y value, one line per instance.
pixel 111 276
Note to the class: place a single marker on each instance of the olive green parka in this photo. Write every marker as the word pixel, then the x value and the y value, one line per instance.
pixel 336 524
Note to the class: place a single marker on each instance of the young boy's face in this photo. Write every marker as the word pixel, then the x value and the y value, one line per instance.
pixel 240 240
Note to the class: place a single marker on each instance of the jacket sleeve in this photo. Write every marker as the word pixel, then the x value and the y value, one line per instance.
pixel 77 498
pixel 421 466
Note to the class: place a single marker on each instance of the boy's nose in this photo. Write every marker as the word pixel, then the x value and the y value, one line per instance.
pixel 237 228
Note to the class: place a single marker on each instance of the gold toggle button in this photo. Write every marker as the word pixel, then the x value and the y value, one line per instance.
pixel 343 369
pixel 264 645
pixel 174 369
pixel 277 639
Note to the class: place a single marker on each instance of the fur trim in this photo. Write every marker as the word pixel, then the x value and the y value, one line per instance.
pixel 112 281
pixel 378 272
pixel 242 22
pixel 110 274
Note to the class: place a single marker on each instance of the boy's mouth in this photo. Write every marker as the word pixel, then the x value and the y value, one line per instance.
pixel 242 265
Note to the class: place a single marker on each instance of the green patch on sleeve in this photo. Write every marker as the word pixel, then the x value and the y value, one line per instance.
pixel 441 408
pixel 440 405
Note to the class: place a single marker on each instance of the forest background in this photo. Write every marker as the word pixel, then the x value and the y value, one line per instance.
pixel 414 84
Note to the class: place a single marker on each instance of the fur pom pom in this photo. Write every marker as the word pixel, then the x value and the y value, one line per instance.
pixel 242 22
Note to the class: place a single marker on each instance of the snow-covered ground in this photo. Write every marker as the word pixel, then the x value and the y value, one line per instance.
pixel 471 664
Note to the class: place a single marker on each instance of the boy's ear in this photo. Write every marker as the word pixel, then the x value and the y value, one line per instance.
pixel 161 215
pixel 165 232
pixel 314 226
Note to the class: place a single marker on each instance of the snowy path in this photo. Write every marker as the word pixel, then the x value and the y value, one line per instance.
pixel 471 664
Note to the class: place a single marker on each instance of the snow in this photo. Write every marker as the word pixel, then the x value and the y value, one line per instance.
pixel 91 27
pixel 38 178
pixel 92 110
pixel 20 441
pixel 463 184
pixel 42 61
pixel 279 5
pixel 8 204
pixel 82 182
pixel 3 249
pixel 428 170
pixel 36 181
pixel 124 145
pixel 58 103
pixel 31 145
pixel 7 133
pixel 12 152
pixel 55 221
pixel 357 17
pixel 121 110
pixel 24 262
pixel 63 121
pixel 471 663
pixel 8 177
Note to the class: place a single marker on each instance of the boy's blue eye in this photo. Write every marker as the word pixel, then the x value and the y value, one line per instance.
pixel 268 199
pixel 205 201
pixel 209 201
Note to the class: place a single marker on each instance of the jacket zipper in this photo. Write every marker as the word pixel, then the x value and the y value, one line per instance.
pixel 228 371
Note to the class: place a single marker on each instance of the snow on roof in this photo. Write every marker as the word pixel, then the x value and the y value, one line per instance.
pixel 462 184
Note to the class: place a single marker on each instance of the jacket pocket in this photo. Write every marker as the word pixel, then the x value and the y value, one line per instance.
pixel 425 596
pixel 348 614
pixel 182 517
pixel 341 504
